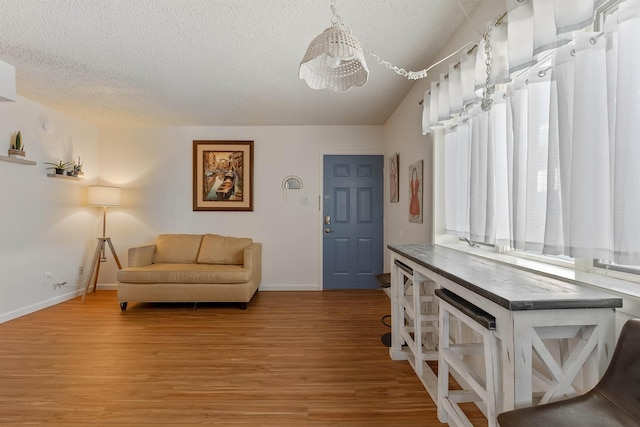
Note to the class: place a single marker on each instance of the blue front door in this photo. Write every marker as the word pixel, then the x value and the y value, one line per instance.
pixel 352 221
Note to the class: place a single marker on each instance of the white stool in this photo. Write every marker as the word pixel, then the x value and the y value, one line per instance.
pixel 451 357
pixel 419 308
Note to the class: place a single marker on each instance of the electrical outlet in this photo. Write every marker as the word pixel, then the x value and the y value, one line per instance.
pixel 80 270
pixel 48 278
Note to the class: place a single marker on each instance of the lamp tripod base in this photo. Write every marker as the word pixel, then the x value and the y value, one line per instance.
pixel 95 264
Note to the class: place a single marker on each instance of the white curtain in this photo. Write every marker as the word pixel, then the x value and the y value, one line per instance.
pixel 503 168
pixel 455 89
pixel 536 176
pixel 467 77
pixel 590 192
pixel 573 15
pixel 443 98
pixel 451 190
pixel 627 137
pixel 456 154
pixel 499 53
pixel 433 105
pixel 521 34
pixel 562 79
pixel 554 166
pixel 478 175
pixel 519 97
pixel 426 113
pixel 545 35
pixel 554 215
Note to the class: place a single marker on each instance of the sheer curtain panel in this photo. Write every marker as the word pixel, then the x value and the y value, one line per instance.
pixel 553 166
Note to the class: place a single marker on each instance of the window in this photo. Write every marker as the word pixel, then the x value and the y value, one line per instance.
pixel 550 167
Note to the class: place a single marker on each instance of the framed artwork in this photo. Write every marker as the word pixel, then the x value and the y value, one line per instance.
pixel 223 175
pixel 415 192
pixel 394 184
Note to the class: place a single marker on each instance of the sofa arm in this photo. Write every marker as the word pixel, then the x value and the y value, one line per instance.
pixel 141 255
pixel 253 261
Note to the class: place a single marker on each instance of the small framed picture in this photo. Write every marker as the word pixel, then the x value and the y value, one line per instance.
pixel 394 184
pixel 415 192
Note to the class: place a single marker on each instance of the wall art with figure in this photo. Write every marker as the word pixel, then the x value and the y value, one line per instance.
pixel 394 186
pixel 222 175
pixel 415 192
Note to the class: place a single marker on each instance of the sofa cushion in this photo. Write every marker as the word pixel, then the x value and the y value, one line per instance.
pixel 177 248
pixel 217 249
pixel 185 273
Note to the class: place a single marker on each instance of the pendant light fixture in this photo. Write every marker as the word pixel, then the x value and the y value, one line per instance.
pixel 334 59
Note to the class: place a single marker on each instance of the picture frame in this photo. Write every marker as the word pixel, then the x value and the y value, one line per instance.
pixel 415 191
pixel 223 175
pixel 394 182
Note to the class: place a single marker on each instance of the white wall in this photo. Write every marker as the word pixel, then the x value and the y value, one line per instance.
pixel 45 225
pixel 154 168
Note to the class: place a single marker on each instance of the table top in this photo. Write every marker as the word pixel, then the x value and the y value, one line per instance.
pixel 505 285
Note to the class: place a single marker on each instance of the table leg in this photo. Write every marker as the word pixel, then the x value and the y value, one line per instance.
pixel 397 315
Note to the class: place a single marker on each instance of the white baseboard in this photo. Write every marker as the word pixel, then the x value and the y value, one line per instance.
pixel 107 287
pixel 276 287
pixel 263 287
pixel 5 317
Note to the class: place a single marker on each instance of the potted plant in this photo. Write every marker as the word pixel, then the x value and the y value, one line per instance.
pixel 59 167
pixel 17 148
pixel 76 168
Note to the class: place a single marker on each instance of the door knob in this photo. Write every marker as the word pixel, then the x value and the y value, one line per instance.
pixel 327 230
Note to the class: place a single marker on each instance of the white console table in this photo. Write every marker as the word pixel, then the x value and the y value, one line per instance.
pixel 556 337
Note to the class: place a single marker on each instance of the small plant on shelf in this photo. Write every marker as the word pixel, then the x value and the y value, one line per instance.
pixel 76 168
pixel 17 147
pixel 59 167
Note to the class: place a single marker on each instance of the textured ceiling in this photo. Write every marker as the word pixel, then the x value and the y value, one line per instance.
pixel 212 62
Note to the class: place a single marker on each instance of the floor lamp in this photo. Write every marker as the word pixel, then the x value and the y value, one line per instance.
pixel 105 197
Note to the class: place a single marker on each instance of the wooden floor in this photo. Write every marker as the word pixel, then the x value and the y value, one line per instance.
pixel 290 359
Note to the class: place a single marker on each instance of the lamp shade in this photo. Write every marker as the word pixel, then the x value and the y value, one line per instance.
pixel 104 196
pixel 334 60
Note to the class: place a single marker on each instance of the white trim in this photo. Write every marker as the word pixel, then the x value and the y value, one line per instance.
pixel 282 287
pixel 5 317
pixel 566 263
pixel 107 287
pixel 613 272
pixel 263 287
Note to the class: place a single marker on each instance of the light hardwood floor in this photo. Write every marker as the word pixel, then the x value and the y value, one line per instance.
pixel 290 359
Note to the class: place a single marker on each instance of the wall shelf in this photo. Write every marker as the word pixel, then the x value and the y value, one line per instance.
pixel 55 175
pixel 17 160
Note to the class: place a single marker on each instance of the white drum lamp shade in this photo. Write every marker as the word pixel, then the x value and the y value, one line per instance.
pixel 104 196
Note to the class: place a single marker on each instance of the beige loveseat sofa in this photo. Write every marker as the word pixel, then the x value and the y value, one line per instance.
pixel 192 268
